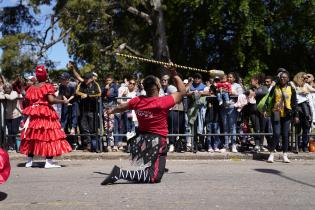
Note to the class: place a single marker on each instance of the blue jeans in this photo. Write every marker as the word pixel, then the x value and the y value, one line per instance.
pixel 224 96
pixel 213 141
pixel 281 128
pixel 266 127
pixel 69 116
pixel 229 118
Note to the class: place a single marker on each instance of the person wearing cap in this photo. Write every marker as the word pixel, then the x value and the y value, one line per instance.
pixel 196 91
pixel 69 113
pixel 42 134
pixel 88 91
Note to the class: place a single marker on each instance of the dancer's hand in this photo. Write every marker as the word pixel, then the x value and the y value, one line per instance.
pixel 70 65
pixel 171 68
pixel 65 100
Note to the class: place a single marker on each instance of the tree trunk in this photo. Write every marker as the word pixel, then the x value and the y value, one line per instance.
pixel 160 47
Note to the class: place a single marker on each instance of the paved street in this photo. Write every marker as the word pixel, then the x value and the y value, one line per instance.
pixel 189 184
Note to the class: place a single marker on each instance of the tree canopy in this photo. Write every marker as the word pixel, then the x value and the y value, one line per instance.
pixel 246 36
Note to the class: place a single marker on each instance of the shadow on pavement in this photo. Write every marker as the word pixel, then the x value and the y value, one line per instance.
pixel 279 173
pixel 101 173
pixel 36 165
pixel 3 196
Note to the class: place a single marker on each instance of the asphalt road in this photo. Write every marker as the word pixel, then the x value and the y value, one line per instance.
pixel 194 184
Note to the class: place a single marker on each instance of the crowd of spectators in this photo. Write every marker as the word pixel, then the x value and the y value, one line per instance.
pixel 218 105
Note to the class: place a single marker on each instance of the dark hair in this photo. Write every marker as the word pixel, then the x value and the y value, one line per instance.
pixel 149 83
pixel 260 77
pixel 197 75
pixel 268 77
pixel 109 76
pixel 236 76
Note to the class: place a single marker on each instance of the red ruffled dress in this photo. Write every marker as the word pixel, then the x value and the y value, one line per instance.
pixel 42 134
pixel 5 167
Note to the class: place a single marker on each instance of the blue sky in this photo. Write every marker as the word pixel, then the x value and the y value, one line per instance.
pixel 58 52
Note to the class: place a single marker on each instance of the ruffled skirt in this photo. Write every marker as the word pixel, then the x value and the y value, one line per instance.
pixel 42 134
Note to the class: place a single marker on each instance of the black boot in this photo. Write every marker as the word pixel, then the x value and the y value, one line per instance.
pixel 113 176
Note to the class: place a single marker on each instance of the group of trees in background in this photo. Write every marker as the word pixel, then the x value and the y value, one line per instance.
pixel 246 36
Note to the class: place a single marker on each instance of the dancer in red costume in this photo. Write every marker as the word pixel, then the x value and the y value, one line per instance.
pixel 148 149
pixel 42 134
pixel 5 167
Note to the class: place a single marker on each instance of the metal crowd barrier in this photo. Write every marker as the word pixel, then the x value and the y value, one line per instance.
pixel 101 134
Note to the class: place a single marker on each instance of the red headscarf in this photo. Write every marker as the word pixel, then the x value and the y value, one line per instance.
pixel 41 73
pixel 5 167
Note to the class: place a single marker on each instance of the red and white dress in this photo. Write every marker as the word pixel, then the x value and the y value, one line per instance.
pixel 5 167
pixel 42 134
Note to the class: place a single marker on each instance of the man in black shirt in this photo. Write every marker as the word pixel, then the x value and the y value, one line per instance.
pixel 89 91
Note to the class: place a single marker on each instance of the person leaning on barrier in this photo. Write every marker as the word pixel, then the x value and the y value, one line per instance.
pixel 283 108
pixel 229 113
pixel 111 123
pixel 69 112
pixel 195 92
pixel 311 96
pixel 212 119
pixel 259 122
pixel 13 113
pixel 128 118
pixel 149 147
pixel 88 91
pixel 303 91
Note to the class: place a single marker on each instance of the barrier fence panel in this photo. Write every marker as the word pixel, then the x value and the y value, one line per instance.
pixel 93 127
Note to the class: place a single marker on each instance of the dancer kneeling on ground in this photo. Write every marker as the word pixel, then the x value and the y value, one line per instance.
pixel 148 149
pixel 42 134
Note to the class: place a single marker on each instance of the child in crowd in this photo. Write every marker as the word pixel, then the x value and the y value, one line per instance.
pixel 224 88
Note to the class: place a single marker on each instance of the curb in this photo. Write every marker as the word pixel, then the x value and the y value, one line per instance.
pixel 79 155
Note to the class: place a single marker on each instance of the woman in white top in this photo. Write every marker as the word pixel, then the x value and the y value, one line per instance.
pixel 310 80
pixel 303 91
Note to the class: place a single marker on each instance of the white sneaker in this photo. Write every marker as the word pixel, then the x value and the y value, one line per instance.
pixel 115 149
pixel 130 135
pixel 216 150
pixel 29 162
pixel 108 149
pixel 171 149
pixel 223 150
pixel 271 157
pixel 188 147
pixel 285 158
pixel 50 164
pixel 210 150
pixel 263 149
pixel 234 150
